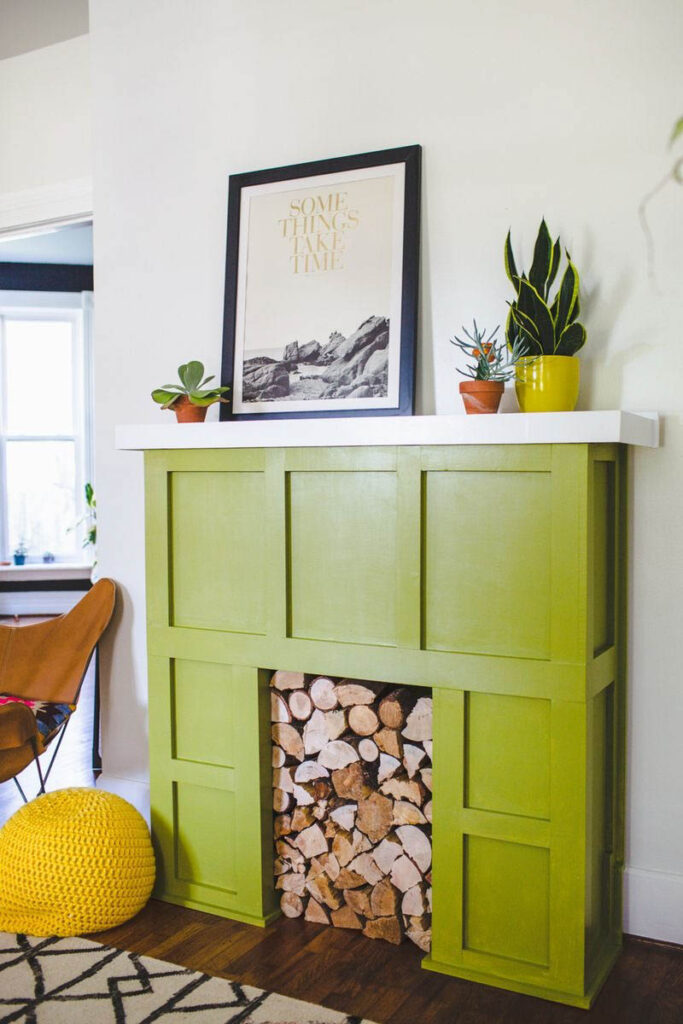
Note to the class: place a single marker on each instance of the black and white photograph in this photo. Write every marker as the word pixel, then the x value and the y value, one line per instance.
pixel 321 287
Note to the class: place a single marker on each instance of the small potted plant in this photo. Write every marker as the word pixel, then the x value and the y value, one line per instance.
pixel 492 364
pixel 189 399
pixel 548 380
pixel 20 553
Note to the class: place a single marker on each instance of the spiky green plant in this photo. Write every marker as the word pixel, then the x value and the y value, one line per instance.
pixel 544 326
pixel 491 361
pixel 191 385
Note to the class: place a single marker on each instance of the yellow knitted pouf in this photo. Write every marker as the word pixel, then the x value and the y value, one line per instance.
pixel 73 861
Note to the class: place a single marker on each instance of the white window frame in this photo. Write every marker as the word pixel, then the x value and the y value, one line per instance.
pixel 74 308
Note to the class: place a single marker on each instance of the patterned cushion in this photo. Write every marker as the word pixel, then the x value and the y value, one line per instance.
pixel 49 714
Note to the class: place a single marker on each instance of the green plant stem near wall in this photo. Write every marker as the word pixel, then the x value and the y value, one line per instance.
pixel 674 174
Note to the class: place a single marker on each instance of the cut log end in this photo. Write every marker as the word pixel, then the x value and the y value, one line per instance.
pixel 291 904
pixel 351 766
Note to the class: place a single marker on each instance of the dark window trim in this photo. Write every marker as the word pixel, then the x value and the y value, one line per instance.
pixel 13 586
pixel 45 277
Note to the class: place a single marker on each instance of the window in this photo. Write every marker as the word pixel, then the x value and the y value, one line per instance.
pixel 45 456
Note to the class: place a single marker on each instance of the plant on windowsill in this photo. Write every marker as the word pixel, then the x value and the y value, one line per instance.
pixel 89 522
pixel 189 399
pixel 20 553
pixel 548 380
pixel 492 364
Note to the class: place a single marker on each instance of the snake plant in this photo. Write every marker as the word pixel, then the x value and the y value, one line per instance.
pixel 541 325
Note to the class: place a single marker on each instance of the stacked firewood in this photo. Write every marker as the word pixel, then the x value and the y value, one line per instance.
pixel 352 781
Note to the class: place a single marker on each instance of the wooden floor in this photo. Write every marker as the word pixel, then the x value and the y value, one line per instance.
pixel 345 971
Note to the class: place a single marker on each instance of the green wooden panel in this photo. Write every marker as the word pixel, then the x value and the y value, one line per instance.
pixel 506 900
pixel 568 512
pixel 342 556
pixel 508 754
pixel 489 458
pixel 486 572
pixel 217 551
pixel 599 845
pixel 447 839
pixel 486 673
pixel 205 836
pixel 487 563
pixel 204 714
pixel 603 555
pixel 567 844
pixel 211 824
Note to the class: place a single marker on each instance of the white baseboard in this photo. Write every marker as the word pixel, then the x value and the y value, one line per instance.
pixel 132 790
pixel 653 904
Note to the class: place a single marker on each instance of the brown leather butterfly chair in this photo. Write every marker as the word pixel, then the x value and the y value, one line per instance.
pixel 42 668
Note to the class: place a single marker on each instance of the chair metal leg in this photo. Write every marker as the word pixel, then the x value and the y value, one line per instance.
pixel 96 756
pixel 56 750
pixel 36 758
pixel 18 785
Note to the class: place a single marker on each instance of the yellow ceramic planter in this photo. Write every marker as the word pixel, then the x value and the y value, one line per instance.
pixel 547 383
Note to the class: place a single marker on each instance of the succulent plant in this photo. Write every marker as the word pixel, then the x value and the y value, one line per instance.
pixel 191 386
pixel 542 326
pixel 491 359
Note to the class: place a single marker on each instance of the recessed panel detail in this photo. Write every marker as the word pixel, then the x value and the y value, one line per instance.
pixel 486 563
pixel 508 754
pixel 342 556
pixel 205 836
pixel 217 559
pixel 506 900
pixel 203 713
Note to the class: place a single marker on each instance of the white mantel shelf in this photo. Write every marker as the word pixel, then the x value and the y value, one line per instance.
pixel 609 426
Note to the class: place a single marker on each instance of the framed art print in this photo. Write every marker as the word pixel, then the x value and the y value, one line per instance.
pixel 321 288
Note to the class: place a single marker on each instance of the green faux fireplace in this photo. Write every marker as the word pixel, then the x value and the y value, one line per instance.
pixel 489 568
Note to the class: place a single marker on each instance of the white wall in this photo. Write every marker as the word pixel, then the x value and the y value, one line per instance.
pixel 523 109
pixel 45 117
pixel 31 24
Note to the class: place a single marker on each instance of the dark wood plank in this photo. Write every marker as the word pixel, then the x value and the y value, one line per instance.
pixel 345 971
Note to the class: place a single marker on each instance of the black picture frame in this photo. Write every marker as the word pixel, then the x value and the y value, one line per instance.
pixel 401 346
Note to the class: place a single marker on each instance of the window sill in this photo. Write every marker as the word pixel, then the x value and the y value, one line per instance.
pixel 40 571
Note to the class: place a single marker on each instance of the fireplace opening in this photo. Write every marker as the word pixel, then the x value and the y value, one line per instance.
pixel 352 801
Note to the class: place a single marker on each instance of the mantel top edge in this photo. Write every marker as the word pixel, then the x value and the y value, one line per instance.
pixel 613 426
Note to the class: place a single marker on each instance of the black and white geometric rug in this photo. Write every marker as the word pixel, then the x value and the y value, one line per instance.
pixel 75 981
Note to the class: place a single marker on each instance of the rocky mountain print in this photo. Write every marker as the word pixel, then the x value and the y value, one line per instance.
pixel 353 367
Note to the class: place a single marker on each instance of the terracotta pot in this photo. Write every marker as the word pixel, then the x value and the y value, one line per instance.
pixel 187 412
pixel 481 395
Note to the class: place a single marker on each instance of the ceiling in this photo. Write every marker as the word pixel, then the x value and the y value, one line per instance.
pixel 70 244
pixel 31 24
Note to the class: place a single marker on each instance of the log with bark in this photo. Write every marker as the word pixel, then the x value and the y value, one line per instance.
pixel 351 763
